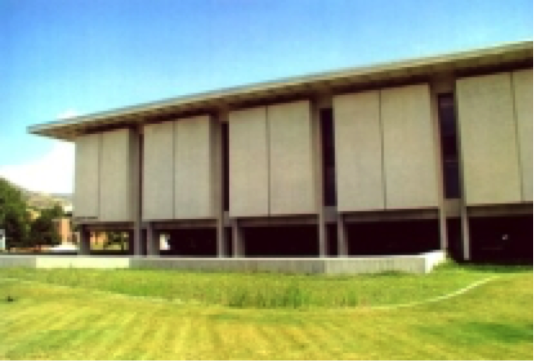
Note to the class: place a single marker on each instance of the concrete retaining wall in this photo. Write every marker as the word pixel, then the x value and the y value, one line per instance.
pixel 410 264
pixel 286 265
pixel 18 261
pixel 432 259
pixel 81 262
pixel 422 263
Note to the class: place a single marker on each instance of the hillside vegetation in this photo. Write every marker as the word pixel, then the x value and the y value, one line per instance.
pixel 26 227
pixel 37 200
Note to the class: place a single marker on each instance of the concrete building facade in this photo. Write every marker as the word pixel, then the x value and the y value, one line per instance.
pixel 397 158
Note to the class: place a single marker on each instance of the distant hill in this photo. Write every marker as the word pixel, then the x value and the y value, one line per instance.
pixel 67 197
pixel 40 200
pixel 43 200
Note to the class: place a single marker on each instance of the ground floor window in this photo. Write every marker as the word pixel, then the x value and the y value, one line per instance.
pixel 286 241
pixel 393 237
pixel 192 243
pixel 501 239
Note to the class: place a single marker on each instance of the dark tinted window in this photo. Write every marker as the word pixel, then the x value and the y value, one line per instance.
pixel 328 156
pixel 449 148
pixel 225 166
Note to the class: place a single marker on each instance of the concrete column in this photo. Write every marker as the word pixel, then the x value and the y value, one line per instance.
pixel 222 252
pixel 138 242
pixel 84 243
pixel 444 237
pixel 342 239
pixel 152 241
pixel 464 218
pixel 219 186
pixel 440 85
pixel 238 240
pixel 323 237
pixel 466 242
pixel 317 152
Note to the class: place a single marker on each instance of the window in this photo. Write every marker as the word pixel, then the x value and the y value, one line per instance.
pixel 225 166
pixel 328 156
pixel 449 148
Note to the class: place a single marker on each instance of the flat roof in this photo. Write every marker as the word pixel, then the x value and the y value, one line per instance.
pixel 495 58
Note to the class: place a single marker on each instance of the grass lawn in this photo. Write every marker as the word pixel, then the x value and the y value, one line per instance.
pixel 91 314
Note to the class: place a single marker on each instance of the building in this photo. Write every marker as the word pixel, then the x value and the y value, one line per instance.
pixel 67 235
pixel 397 158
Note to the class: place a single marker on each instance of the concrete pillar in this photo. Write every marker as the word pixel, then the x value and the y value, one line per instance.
pixel 138 242
pixel 444 237
pixel 342 239
pixel 238 240
pixel 466 242
pixel 217 158
pixel 323 236
pixel 222 252
pixel 464 217
pixel 84 243
pixel 318 172
pixel 152 241
pixel 438 86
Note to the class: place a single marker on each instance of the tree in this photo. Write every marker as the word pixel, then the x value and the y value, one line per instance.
pixel 43 230
pixel 14 217
pixel 55 212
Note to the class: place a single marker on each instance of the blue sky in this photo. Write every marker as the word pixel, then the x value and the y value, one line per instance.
pixel 61 57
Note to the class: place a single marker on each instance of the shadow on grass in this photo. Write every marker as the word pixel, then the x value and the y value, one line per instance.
pixel 485 332
pixel 489 267
pixel 496 268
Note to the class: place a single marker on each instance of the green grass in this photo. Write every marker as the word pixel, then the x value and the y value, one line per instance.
pixel 283 317
pixel 263 290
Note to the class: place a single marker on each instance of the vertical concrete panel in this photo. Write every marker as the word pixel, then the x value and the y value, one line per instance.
pixel 249 165
pixel 158 171
pixel 409 149
pixel 522 80
pixel 193 173
pixel 358 152
pixel 115 176
pixel 291 159
pixel 490 164
pixel 87 176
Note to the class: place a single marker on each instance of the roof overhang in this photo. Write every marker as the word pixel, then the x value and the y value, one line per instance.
pixel 497 58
